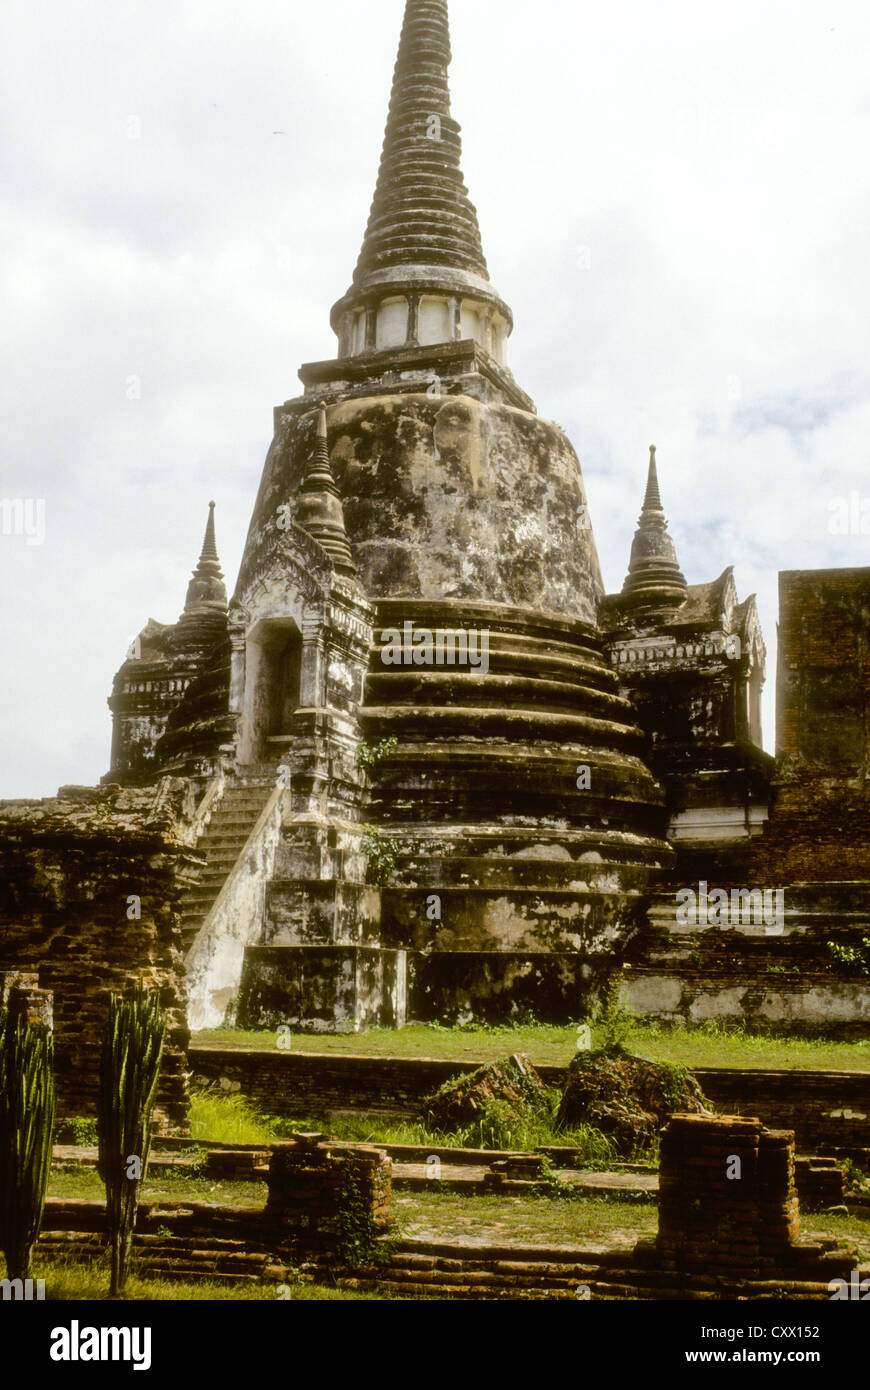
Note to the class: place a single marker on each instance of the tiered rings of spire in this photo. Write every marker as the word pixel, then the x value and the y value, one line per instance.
pixel 421 277
pixel 655 580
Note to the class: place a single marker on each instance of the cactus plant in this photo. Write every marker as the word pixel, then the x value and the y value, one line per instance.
pixel 27 1110
pixel 129 1071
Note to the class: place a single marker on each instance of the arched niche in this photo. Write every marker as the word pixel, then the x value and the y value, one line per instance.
pixel 273 673
pixel 300 638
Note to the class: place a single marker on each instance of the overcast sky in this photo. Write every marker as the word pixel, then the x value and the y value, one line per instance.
pixel 674 199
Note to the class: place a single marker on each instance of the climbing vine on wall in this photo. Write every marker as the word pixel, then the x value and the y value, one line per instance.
pixel 369 755
pixel 381 854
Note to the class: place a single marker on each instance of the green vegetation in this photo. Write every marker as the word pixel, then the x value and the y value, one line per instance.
pixel 230 1119
pixel 369 755
pixel 222 1119
pixel 381 854
pixel 358 1243
pixel 27 1110
pixel 708 1045
pixel 81 1183
pixel 129 1071
pixel 857 1181
pixel 84 1129
pixel 850 960
pixel 438 1215
pixel 500 1220
pixel 612 1025
pixel 69 1281
pixel 581 1222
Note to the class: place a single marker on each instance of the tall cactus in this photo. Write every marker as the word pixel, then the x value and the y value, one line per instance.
pixel 129 1071
pixel 27 1110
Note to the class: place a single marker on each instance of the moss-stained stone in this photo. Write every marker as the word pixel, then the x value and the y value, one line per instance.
pixel 447 497
pixel 74 873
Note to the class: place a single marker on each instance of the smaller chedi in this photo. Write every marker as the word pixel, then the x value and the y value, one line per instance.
pixel 161 664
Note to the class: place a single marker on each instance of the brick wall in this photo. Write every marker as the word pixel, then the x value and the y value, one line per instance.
pixel 820 816
pixel 727 1195
pixel 68 869
pixel 312 1185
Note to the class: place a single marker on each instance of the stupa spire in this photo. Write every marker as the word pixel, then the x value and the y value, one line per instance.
pixel 422 236
pixel 206 590
pixel 421 212
pixel 653 498
pixel 654 578
pixel 319 511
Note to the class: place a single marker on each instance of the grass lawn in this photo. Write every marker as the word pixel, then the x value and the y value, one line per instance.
pixel 707 1046
pixel 225 1119
pixel 485 1219
pixel 496 1220
pixel 571 1223
pixel 68 1281
pixel 83 1184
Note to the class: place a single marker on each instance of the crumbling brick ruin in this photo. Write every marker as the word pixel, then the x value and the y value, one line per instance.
pixel 91 887
pixel 314 1187
pixel 728 1207
pixel 819 830
pixel 810 862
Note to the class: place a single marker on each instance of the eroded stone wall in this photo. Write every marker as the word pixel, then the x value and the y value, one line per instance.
pixel 90 886
pixel 819 828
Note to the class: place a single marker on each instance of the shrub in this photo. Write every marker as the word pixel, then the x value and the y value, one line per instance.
pixel 84 1128
pixel 381 855
pixel 368 755
pixel 27 1109
pixel 129 1071
pixel 850 960
pixel 612 1023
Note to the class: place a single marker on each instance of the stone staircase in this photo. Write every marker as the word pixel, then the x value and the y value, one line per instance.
pixel 172 1259
pixel 224 839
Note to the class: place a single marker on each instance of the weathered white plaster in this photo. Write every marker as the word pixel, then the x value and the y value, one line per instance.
pixel 214 962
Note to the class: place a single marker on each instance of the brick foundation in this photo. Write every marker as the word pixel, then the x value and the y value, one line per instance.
pixel 728 1203
pixel 311 1184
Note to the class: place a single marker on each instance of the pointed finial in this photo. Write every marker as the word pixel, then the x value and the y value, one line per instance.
pixel 209 545
pixel 654 579
pixel 653 499
pixel 206 590
pixel 320 512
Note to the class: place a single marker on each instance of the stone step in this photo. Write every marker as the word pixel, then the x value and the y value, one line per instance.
pixel 234 814
pixel 227 835
pixel 223 859
pixel 233 826
pixel 449 722
pixel 465 873
pixel 480 841
pixel 222 843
